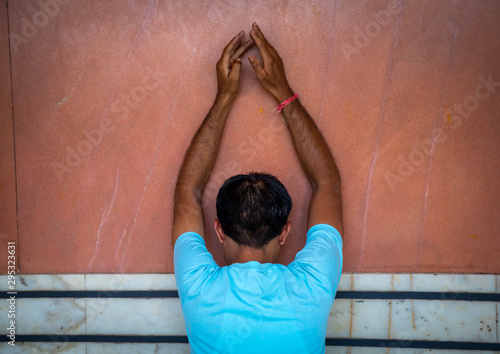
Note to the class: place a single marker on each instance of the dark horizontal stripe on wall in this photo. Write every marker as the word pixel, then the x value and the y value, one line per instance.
pixel 94 294
pixel 416 295
pixel 348 342
pixel 96 338
pixel 361 295
pixel 421 344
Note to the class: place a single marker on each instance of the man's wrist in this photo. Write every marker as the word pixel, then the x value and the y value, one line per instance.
pixel 284 94
pixel 224 99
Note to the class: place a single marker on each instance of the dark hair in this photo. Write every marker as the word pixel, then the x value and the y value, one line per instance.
pixel 253 208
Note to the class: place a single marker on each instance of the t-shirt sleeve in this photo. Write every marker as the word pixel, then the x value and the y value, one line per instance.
pixel 322 254
pixel 191 261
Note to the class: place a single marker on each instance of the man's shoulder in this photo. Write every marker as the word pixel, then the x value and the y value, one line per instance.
pixel 321 258
pixel 190 255
pixel 325 231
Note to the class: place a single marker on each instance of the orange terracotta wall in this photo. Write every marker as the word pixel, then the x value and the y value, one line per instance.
pixel 107 95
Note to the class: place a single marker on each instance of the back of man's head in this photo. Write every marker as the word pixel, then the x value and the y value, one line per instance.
pixel 253 208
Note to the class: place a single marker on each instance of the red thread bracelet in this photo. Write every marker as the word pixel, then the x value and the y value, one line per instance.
pixel 284 103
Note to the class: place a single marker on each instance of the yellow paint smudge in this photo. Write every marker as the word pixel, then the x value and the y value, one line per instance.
pixel 261 110
pixel 472 236
pixel 448 116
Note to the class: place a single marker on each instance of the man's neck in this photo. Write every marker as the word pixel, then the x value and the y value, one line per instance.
pixel 248 255
pixel 267 254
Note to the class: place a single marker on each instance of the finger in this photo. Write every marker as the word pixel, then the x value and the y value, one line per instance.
pixel 234 74
pixel 244 47
pixel 237 43
pixel 257 66
pixel 226 54
pixel 261 42
pixel 258 32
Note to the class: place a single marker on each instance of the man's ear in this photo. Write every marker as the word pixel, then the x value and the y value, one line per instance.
pixel 218 229
pixel 284 233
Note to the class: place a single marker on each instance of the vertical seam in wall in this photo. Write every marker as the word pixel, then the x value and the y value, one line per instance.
pixel 411 300
pixel 498 305
pixel 390 312
pixel 13 136
pixel 390 308
pixel 497 277
pixel 85 314
pixel 352 302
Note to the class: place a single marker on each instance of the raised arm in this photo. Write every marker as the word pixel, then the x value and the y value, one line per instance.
pixel 313 152
pixel 201 154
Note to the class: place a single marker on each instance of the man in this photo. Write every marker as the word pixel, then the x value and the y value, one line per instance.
pixel 254 305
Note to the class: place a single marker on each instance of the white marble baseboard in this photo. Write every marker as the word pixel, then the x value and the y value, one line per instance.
pixel 382 319
pixel 471 283
pixel 376 319
pixel 173 348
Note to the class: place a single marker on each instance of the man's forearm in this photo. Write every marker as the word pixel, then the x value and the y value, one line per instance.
pixel 312 150
pixel 201 155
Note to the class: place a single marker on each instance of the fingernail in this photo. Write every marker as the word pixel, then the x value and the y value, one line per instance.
pixel 251 59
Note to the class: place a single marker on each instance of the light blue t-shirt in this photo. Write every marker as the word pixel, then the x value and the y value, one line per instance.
pixel 258 308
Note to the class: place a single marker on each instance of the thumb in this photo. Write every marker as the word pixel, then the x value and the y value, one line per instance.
pixel 257 66
pixel 235 68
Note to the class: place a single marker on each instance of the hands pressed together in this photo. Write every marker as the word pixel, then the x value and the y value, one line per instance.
pixel 271 72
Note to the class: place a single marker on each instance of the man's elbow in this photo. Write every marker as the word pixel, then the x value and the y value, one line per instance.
pixel 186 191
pixel 329 182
